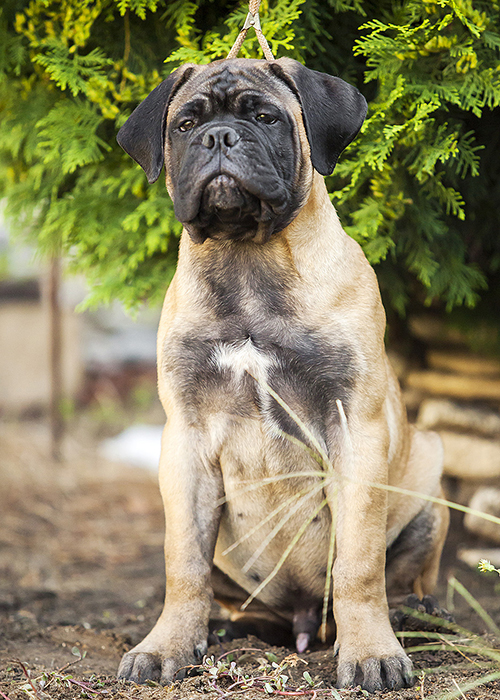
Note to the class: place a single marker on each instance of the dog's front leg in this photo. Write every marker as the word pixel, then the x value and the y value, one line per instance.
pixel 191 488
pixel 369 653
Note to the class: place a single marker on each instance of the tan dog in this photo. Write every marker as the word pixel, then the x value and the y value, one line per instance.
pixel 270 291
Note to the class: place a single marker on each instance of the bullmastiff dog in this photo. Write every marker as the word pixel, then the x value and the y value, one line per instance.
pixel 270 348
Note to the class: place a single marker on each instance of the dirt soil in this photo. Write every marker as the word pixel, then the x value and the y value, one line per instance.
pixel 81 581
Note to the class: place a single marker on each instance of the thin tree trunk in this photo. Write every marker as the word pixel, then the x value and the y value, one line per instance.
pixel 56 418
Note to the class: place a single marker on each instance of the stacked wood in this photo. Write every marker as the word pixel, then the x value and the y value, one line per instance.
pixel 458 395
pixel 457 386
pixel 485 500
pixel 470 435
pixel 449 415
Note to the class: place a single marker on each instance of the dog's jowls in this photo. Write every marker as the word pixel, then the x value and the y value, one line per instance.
pixel 270 291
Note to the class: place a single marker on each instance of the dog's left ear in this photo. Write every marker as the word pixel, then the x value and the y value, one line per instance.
pixel 333 111
pixel 143 134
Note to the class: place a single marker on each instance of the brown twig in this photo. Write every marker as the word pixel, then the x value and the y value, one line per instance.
pixel 85 686
pixel 69 664
pixel 57 674
pixel 242 649
pixel 26 673
pixel 54 674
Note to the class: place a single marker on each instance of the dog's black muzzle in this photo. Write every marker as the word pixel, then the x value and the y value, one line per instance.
pixel 228 186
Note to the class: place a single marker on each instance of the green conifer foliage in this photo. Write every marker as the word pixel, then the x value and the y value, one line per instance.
pixel 417 188
pixel 436 68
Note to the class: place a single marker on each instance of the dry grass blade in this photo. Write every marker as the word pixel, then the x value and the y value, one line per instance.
pixel 422 681
pixel 298 443
pixel 468 641
pixel 459 648
pixel 466 687
pixel 475 605
pixel 459 688
pixel 253 485
pixel 277 528
pixel 446 624
pixel 425 497
pixel 385 487
pixel 260 524
pixel 456 647
pixel 347 438
pixel 309 435
pixel 322 458
pixel 329 565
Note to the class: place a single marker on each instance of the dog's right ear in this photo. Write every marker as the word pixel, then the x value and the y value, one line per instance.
pixel 143 134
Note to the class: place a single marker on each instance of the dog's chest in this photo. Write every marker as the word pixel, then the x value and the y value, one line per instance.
pixel 255 340
pixel 267 369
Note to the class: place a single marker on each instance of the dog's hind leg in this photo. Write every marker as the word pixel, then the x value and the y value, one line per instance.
pixel 412 565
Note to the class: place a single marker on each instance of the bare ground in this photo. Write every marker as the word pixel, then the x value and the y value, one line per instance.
pixel 81 581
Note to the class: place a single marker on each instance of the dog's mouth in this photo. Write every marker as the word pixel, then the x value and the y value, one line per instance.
pixel 228 211
pixel 224 198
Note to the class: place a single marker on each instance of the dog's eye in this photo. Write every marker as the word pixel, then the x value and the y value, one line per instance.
pixel 186 125
pixel 266 118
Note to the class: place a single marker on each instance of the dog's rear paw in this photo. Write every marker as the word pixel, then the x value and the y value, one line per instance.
pixel 394 673
pixel 404 619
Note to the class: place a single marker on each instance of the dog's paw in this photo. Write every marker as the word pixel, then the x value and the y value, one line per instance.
pixel 142 666
pixel 394 673
pixel 374 660
pixel 402 618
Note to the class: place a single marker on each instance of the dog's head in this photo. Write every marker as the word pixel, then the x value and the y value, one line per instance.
pixel 239 139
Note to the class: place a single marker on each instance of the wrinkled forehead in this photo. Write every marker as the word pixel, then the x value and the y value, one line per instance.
pixel 224 86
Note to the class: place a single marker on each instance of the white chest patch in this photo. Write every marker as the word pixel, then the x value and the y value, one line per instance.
pixel 241 358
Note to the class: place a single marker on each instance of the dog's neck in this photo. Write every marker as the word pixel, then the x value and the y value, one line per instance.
pixel 313 250
pixel 315 225
pixel 317 219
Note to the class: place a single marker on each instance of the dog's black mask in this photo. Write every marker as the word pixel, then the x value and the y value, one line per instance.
pixel 233 157
pixel 234 154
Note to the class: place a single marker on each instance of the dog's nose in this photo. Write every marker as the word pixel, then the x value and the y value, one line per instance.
pixel 218 136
